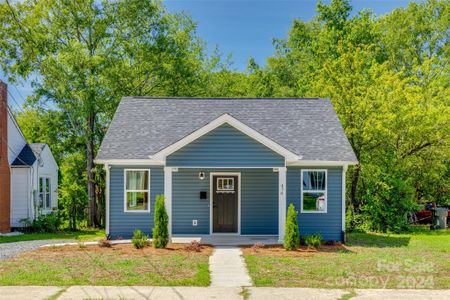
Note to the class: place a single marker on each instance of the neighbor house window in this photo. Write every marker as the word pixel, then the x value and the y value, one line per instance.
pixel 314 191
pixel 44 192
pixel 137 190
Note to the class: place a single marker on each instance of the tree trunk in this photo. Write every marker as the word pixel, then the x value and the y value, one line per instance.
pixel 90 170
pixel 354 188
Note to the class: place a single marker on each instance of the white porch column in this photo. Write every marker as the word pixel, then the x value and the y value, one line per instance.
pixel 344 172
pixel 281 203
pixel 107 193
pixel 168 196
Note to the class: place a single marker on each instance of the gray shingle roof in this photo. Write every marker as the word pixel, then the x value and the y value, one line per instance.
pixel 143 126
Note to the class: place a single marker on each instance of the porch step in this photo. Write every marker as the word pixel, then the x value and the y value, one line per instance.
pixel 228 267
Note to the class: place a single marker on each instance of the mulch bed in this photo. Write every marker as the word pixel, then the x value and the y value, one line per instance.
pixel 278 250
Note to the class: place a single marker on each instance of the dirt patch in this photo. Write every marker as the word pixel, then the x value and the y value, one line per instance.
pixel 303 251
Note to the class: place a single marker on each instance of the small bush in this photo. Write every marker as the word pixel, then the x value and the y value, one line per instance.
pixel 257 246
pixel 313 240
pixel 292 234
pixel 194 246
pixel 104 244
pixel 47 223
pixel 160 231
pixel 139 239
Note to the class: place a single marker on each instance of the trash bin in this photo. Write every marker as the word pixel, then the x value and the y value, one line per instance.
pixel 439 218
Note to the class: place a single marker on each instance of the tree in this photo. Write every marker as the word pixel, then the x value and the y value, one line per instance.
pixel 85 55
pixel 292 234
pixel 160 232
pixel 72 190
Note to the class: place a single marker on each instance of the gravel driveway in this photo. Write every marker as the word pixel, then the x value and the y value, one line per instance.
pixel 8 250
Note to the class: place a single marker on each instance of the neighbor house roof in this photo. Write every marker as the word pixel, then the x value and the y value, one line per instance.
pixel 37 147
pixel 26 157
pixel 143 126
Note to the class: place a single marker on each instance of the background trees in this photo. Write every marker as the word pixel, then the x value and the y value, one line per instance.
pixel 388 78
pixel 85 55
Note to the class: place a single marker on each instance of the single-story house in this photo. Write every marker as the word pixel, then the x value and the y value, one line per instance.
pixel 226 166
pixel 28 172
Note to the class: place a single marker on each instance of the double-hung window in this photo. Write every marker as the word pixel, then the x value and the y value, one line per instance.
pixel 314 191
pixel 137 190
pixel 44 193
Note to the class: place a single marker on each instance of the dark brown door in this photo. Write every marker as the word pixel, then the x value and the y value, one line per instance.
pixel 225 204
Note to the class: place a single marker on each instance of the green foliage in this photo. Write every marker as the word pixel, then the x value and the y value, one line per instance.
pixel 46 223
pixel 313 240
pixel 292 234
pixel 160 235
pixel 139 239
pixel 72 190
pixel 83 57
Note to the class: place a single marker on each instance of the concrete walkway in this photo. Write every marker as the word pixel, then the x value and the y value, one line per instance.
pixel 227 267
pixel 218 293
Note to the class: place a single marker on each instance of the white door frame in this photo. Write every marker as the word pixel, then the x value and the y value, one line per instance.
pixel 211 174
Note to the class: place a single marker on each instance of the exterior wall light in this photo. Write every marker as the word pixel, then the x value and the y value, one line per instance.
pixel 201 175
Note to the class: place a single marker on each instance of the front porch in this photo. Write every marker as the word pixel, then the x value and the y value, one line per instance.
pixel 227 240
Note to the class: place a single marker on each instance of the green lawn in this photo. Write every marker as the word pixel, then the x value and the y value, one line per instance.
pixel 420 259
pixel 82 235
pixel 118 265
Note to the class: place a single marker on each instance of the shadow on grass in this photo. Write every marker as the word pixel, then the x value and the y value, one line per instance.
pixel 377 240
pixel 80 235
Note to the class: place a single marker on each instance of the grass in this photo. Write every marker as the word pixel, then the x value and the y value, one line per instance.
pixel 420 259
pixel 81 235
pixel 118 265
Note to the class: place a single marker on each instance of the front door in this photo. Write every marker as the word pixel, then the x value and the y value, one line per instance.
pixel 225 204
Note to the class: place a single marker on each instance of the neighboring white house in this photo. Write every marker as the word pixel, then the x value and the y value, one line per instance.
pixel 34 176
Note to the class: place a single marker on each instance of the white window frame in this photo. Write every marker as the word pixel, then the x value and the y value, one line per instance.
pixel 125 207
pixel 224 189
pixel 44 193
pixel 314 191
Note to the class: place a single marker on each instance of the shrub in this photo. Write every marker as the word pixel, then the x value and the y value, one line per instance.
pixel 104 244
pixel 160 231
pixel 139 239
pixel 194 246
pixel 257 246
pixel 313 240
pixel 47 223
pixel 292 234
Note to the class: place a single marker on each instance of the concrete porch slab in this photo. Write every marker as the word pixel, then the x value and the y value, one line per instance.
pixel 227 240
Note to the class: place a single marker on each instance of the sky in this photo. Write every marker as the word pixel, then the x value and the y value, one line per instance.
pixel 242 28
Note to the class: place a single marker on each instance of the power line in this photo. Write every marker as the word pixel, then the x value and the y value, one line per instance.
pixel 15 101
pixel 20 94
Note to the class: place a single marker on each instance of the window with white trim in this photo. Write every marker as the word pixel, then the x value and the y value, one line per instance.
pixel 225 184
pixel 44 193
pixel 137 190
pixel 314 191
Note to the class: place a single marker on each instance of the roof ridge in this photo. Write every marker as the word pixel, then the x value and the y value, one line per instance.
pixel 223 98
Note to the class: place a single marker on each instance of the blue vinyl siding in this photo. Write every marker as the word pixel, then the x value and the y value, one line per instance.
pixel 225 146
pixel 329 224
pixel 259 201
pixel 122 224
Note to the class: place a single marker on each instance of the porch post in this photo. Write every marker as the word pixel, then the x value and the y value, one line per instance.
pixel 168 196
pixel 281 203
pixel 107 196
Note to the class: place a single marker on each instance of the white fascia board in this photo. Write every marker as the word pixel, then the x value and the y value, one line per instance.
pixel 303 163
pixel 226 118
pixel 124 162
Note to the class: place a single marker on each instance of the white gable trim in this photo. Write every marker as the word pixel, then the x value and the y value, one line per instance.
pixel 225 118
